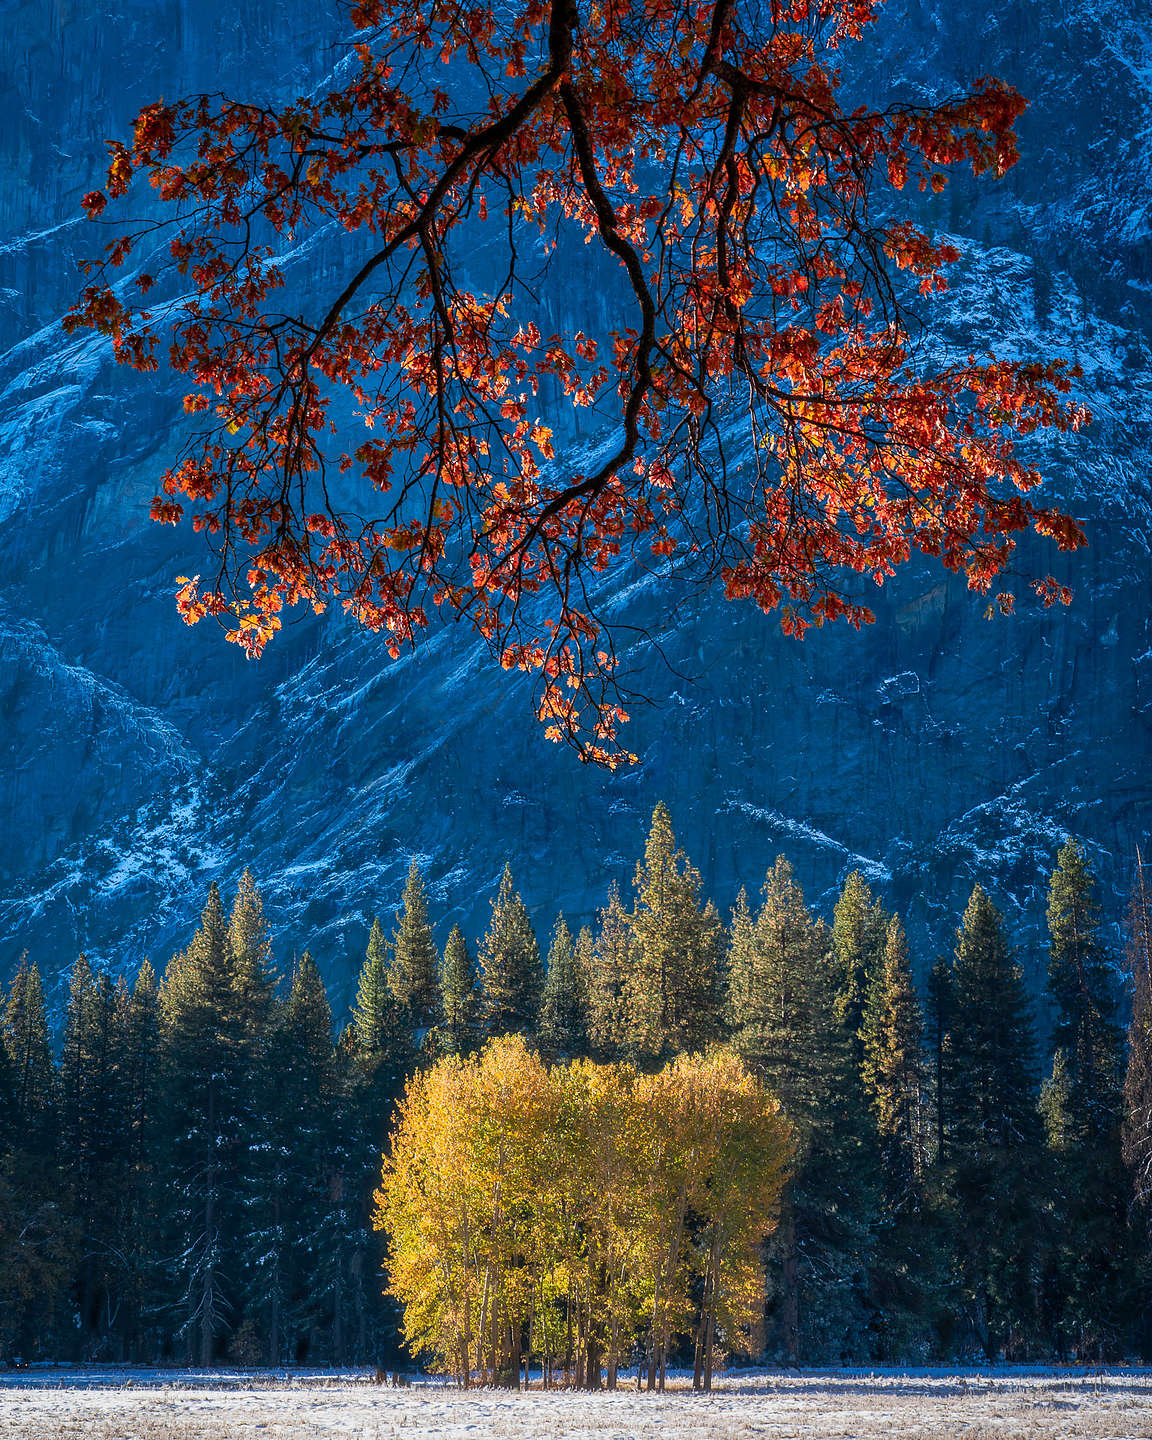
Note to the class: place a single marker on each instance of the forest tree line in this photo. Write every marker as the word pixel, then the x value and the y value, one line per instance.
pixel 188 1174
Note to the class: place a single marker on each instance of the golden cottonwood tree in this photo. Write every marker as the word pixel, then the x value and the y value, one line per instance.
pixel 555 1215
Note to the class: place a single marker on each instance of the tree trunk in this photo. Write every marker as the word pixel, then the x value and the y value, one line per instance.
pixel 790 1265
pixel 338 1313
pixel 568 1351
pixel 592 1364
pixel 656 1375
pixel 274 1316
pixel 702 1362
pixel 208 1292
pixel 361 1313
pixel 482 1327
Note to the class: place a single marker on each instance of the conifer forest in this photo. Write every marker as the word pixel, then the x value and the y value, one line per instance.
pixel 669 1139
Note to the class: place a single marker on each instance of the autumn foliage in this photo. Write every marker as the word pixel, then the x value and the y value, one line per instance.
pixel 765 418
pixel 561 1215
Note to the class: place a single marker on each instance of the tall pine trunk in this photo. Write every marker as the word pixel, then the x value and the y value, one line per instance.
pixel 790 1278
pixel 208 1290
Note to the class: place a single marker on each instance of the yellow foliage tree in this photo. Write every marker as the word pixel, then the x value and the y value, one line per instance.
pixel 552 1215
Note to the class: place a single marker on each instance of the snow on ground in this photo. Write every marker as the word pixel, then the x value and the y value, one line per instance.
pixel 1005 1404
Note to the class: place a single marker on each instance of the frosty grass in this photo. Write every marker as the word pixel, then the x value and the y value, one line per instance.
pixel 1001 1404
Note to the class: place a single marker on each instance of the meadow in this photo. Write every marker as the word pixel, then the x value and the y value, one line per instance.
pixel 1002 1404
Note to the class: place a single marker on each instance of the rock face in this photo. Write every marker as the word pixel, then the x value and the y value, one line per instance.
pixel 143 759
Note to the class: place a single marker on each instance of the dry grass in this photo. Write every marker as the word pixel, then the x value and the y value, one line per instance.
pixel 850 1406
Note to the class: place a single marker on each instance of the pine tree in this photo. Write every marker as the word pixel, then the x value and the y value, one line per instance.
pixel 11 1277
pixel 1088 1268
pixel 992 1035
pixel 784 1024
pixel 258 1162
pixel 256 1159
pixel 908 1263
pixel 512 973
pixel 413 974
pixel 673 994
pixel 859 937
pixel 264 1154
pixel 741 962
pixel 140 1228
pixel 251 944
pixel 7 1097
pixel 35 1249
pixel 993 1143
pixel 1137 1126
pixel 584 958
pixel 374 1009
pixel 380 1036
pixel 376 1057
pixel 892 1030
pixel 607 967
pixel 563 1020
pixel 1085 1032
pixel 288 1291
pixel 10 1268
pixel 342 1248
pixel 939 1020
pixel 34 1074
pixel 93 1116
pixel 205 1009
pixel 76 1062
pixel 380 1045
pixel 781 1010
pixel 1138 1079
pixel 458 1030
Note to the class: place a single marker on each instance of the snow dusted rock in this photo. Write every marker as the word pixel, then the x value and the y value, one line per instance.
pixel 143 759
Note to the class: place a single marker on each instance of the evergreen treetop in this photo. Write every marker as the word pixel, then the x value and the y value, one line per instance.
pixel 511 970
pixel 607 965
pixel 1085 1038
pixel 563 1020
pixel 893 1068
pixel 307 1057
pixel 90 1074
pixel 251 945
pixel 782 1007
pixel 34 1080
pixel 414 972
pixel 141 1042
pixel 993 1056
pixel 741 961
pixel 379 1035
pixel 307 1013
pixel 673 993
pixel 374 1009
pixel 859 937
pixel 458 1030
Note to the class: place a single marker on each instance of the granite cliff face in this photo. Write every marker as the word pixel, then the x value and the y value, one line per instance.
pixel 142 759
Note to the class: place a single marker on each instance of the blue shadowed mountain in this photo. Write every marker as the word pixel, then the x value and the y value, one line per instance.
pixel 143 759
